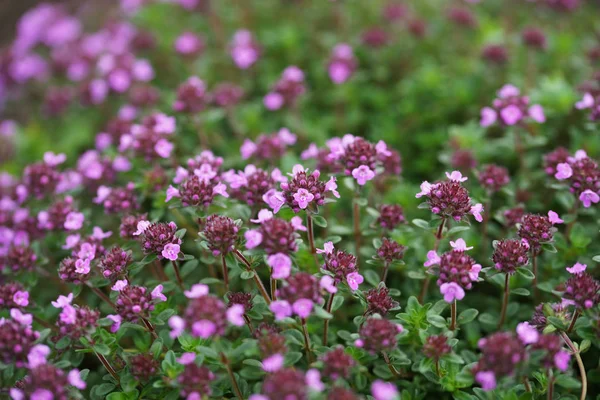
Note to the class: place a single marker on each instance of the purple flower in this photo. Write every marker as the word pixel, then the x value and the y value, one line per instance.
pixel 54 159
pixel 21 298
pixel 331 186
pixel 163 148
pixel 456 176
pixel 488 117
pixel 562 359
pixel 281 264
pixel 577 268
pixel 274 199
pixel 187 358
pixel 253 238
pixel 23 319
pixel 82 266
pixel 354 279
pixel 68 315
pixel 74 221
pixel 586 102
pixel 235 315
pixel 452 291
pixel 588 197
pixel 425 189
pixel 116 319
pixel 527 333
pixel 281 308
pixel 511 115
pixel 177 325
pixel 75 380
pixel 303 197
pixel 263 215
pixel 476 210
pixel 460 245
pixel 536 112
pixel 119 285
pixel 273 101
pixel 327 283
pixel 273 363
pixel 313 380
pixel 196 291
pixel 63 301
pixel 363 174
pixel 554 218
pixel 204 328
pixel 157 293
pixel 172 192
pixel 37 355
pixel 297 223
pixel 302 307
pixel 171 251
pixel 564 171
pixel 486 379
pixel 384 390
pixel 432 258
pixel 327 248
pixel 141 227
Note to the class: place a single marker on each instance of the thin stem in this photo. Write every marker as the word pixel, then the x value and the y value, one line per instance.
pixel 177 274
pixel 437 368
pixel 234 384
pixel 326 321
pixel 306 341
pixel 484 228
pixel 534 263
pixel 148 325
pixel 550 384
pixel 273 289
pixel 386 267
pixel 311 234
pixel 579 364
pixel 225 272
pixel 391 367
pixel 101 294
pixel 357 233
pixel 256 278
pixel 504 301
pixel 249 324
pixel 453 315
pixel 438 238
pixel 527 385
pixel 576 315
pixel 573 212
pixel 108 367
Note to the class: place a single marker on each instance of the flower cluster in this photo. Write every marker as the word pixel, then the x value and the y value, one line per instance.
pixel 511 108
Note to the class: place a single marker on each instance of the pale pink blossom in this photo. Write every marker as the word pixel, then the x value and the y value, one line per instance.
pixel 456 176
pixel 171 251
pixel 363 174
pixel 177 325
pixel 452 291
pixel 561 360
pixel 486 379
pixel 563 171
pixel 527 333
pixel 196 291
pixel 204 328
pixel 63 301
pixel 273 101
pixel 75 380
pixel 171 192
pixel 331 186
pixel 74 221
pixel 302 307
pixel 586 102
pixel 263 215
pixel 235 315
pixel 476 210
pixel 328 283
pixel 384 390
pixel 536 112
pixel 297 223
pixel 274 199
pixel 511 115
pixel 98 233
pixel 313 380
pixel 37 355
pixel 577 268
pixel 474 272
pixel 116 319
pixel 488 117
pixel 425 189
pixel 432 258
pixel 554 218
pixel 23 319
pixel 281 308
pixel 354 279
pixel 327 248
pixel 53 160
pixel 460 245
pixel 281 265
pixel 253 238
pixel 21 298
pixel 157 293
pixel 141 227
pixel 119 285
pixel 82 266
pixel 273 363
pixel 163 148
pixel 187 358
pixel 588 197
pixel 303 197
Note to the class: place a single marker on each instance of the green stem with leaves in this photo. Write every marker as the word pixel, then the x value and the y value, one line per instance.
pixel 504 301
pixel 582 372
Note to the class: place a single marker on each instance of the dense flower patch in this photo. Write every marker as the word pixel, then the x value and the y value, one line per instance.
pixel 184 215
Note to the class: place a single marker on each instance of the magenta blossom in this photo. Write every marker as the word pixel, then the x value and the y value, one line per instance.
pixel 452 291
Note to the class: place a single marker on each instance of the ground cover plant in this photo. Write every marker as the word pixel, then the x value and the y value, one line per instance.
pixel 310 199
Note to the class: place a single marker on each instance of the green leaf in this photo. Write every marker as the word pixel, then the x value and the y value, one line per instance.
pixel 567 382
pixel 557 322
pixel 549 247
pixel 321 313
pixel 467 316
pixel 319 221
pixel 104 388
pixel 63 343
pixel 437 320
pixel 526 273
pixel 156 348
pixel 421 223
pixel 520 292
pixel 102 349
pixel 372 277
pixel 117 396
pixel 247 275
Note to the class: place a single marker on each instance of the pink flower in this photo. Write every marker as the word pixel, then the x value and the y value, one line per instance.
pixel 511 115
pixel 313 380
pixel 564 171
pixel 23 319
pixel 460 245
pixel 554 218
pixel 508 90
pixel 536 112
pixel 203 328
pixel 586 102
pixel 63 301
pixel 71 241
pixel 425 189
pixel 286 136
pixel 486 379
pixel 274 199
pixel 255 397
pixel 432 258
pixel 281 264
pixel 253 238
pixel 248 149
pixel 98 233
pixel 235 315
pixel 303 197
pixel 196 291
pixel 157 293
pixel 382 149
pixel 263 215
pixel 281 308
pixel 68 315
pixel 220 189
pixel 37 355
pixel 474 272
pixel 75 380
pixel 273 363
pixel 488 117
pixel 187 358
pixel 354 279
pixel 452 291
pixel 116 319
pixel 363 174
pixel 87 250
pixel 331 186
pixel 273 101
pixel 327 248
pixel 476 210
pixel 297 223
pixel 311 152
pixel 456 176
pixel 562 359
pixel 177 325
pixel 141 227
pixel 163 148
pixel 588 197
pixel 54 159
pixel 82 266
pixel 119 285
pixel 328 283
pixel 171 251
pixel 74 221
pixel 577 268
pixel 302 307
pixel 384 390
pixel 527 333
pixel 21 298
pixel 172 192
